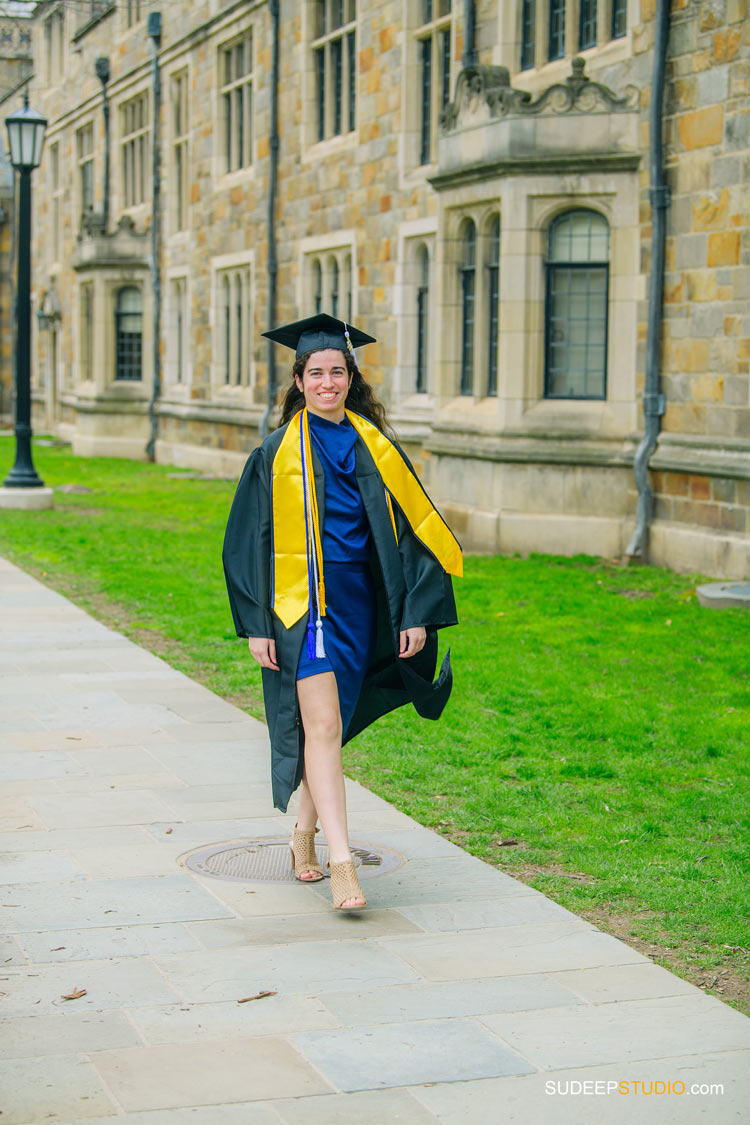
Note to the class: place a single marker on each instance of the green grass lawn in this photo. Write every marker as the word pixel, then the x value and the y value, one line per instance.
pixel 599 716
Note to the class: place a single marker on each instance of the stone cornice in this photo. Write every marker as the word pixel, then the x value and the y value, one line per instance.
pixel 697 456
pixel 538 164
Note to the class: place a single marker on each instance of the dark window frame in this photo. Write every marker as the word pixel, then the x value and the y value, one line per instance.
pixel 128 345
pixel 551 269
pixel 423 318
pixel 619 22
pixel 556 30
pixel 468 286
pixel 334 47
pixel 494 231
pixel 528 34
pixel 587 24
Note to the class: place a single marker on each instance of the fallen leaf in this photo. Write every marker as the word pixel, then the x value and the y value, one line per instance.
pixel 73 738
pixel 168 831
pixel 76 994
pixel 669 621
pixel 57 949
pixel 258 996
pixel 510 842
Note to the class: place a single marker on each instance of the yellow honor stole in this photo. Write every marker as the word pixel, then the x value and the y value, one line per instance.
pixel 297 562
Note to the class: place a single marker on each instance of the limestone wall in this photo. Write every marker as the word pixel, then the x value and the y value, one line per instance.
pixel 515 470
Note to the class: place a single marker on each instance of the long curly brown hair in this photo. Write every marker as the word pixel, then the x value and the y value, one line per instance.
pixel 360 398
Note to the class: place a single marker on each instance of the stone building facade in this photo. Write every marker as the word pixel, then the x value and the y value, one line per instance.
pixel 15 68
pixel 489 223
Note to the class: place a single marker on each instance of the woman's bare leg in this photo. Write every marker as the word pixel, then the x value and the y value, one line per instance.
pixel 319 706
pixel 307 814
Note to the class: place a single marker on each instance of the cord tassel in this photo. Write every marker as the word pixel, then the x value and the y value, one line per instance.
pixel 319 647
pixel 311 641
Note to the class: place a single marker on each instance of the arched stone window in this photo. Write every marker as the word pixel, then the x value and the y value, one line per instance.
pixel 576 316
pixel 318 285
pixel 334 268
pixel 128 333
pixel 423 316
pixel 468 272
pixel 493 301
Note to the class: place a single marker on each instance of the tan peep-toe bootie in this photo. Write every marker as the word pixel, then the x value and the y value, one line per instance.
pixel 304 856
pixel 345 885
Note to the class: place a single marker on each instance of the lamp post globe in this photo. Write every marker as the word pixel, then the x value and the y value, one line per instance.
pixel 25 142
pixel 26 130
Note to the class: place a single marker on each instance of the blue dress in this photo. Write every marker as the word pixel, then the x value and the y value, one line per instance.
pixel 349 622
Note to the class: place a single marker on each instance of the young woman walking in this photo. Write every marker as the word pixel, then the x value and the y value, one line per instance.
pixel 338 572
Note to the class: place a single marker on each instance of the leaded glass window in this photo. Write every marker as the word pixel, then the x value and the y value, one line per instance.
pixel 135 149
pixel 576 321
pixel 433 45
pixel 556 29
pixel 587 24
pixel 423 317
pixel 468 290
pixel 335 64
pixel 128 334
pixel 619 18
pixel 493 297
pixel 236 95
pixel 528 34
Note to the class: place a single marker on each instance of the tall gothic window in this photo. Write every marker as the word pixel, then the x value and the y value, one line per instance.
pixel 619 18
pixel 333 267
pixel 334 49
pixel 56 200
pixel 236 93
pixel 234 358
pixel 85 156
pixel 493 298
pixel 468 273
pixel 576 319
pixel 179 325
pixel 423 317
pixel 128 334
pixel 179 151
pixel 135 149
pixel 528 33
pixel 434 58
pixel 587 24
pixel 318 286
pixel 556 47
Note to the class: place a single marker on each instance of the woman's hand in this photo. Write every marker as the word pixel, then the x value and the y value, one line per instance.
pixel 412 640
pixel 263 650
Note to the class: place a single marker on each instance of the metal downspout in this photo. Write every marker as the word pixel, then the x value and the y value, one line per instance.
pixel 103 73
pixel 273 169
pixel 154 33
pixel 653 400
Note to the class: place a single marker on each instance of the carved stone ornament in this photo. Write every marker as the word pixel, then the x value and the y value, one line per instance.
pixel 92 224
pixel 483 88
pixel 49 312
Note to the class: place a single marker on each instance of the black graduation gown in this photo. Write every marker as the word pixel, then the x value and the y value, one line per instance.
pixel 411 589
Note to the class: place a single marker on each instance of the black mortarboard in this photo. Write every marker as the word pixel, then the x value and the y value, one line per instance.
pixel 318 332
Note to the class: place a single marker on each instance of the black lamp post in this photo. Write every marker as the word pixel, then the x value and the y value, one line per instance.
pixel 25 140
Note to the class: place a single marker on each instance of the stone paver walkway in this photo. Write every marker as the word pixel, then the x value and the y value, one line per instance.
pixel 461 996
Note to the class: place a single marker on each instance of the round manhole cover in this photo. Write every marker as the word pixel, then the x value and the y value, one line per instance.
pixel 269 860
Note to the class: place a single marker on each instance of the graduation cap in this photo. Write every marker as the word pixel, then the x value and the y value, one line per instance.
pixel 317 333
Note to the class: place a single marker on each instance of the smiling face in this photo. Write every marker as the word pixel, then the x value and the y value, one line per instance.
pixel 325 384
